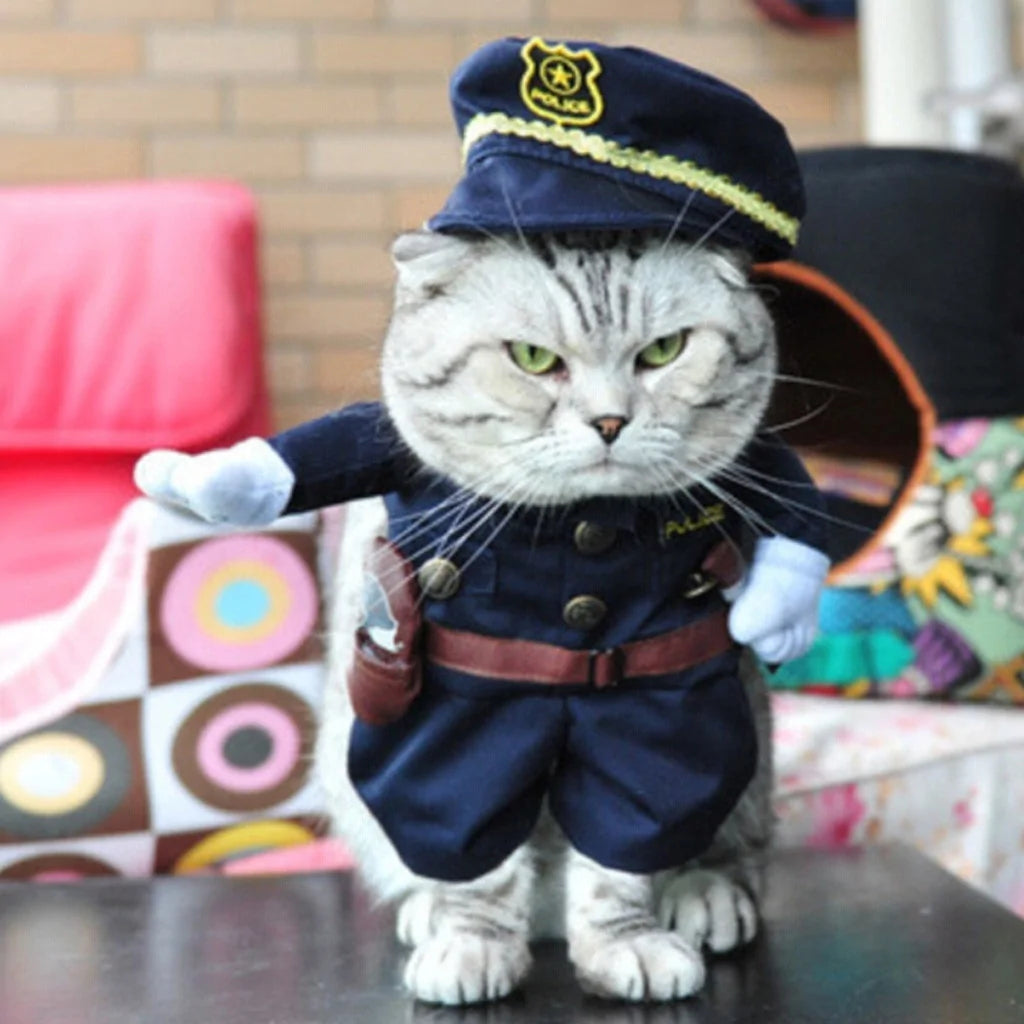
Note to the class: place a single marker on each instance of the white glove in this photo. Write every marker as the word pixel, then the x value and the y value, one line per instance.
pixel 248 484
pixel 776 607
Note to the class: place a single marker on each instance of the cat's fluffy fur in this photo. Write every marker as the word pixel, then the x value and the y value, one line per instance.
pixel 467 411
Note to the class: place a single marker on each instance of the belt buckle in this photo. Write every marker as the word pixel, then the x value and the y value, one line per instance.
pixel 604 667
pixel 698 584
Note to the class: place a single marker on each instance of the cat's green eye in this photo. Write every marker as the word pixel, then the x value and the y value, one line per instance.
pixel 663 351
pixel 533 358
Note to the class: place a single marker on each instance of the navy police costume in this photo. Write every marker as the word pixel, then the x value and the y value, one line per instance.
pixel 582 658
pixel 639 772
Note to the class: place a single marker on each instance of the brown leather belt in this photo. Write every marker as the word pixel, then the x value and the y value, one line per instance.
pixel 529 661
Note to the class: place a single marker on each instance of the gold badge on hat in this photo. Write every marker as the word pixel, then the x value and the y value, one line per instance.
pixel 560 84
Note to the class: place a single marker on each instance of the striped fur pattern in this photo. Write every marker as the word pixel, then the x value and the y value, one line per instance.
pixel 469 412
pixel 595 301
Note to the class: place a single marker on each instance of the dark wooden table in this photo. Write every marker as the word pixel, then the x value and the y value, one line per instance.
pixel 863 938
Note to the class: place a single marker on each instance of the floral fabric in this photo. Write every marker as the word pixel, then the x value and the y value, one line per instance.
pixel 947 780
pixel 936 609
pixel 164 721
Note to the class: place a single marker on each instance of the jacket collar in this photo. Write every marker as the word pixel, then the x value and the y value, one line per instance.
pixel 551 522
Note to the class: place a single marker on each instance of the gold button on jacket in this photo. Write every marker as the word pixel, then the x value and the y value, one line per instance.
pixel 584 611
pixel 593 538
pixel 439 578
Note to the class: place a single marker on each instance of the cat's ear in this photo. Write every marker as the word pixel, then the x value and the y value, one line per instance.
pixel 429 261
pixel 732 266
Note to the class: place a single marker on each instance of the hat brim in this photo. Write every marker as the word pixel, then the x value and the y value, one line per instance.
pixel 523 194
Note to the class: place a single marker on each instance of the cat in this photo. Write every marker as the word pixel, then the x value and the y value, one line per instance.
pixel 629 937
pixel 504 363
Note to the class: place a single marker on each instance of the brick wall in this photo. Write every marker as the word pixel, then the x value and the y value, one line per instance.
pixel 334 112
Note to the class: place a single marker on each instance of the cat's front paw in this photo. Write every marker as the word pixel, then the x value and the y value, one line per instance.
pixel 415 922
pixel 707 908
pixel 461 967
pixel 651 966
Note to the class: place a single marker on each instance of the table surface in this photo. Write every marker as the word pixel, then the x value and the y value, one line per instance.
pixel 876 936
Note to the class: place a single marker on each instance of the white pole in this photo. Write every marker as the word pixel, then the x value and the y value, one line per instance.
pixel 978 53
pixel 902 51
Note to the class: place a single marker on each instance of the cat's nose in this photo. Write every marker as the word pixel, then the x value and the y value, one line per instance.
pixel 609 427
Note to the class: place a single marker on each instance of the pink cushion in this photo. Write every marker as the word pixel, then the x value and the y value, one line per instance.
pixel 129 319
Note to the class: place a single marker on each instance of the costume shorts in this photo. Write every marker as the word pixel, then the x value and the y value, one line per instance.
pixel 638 776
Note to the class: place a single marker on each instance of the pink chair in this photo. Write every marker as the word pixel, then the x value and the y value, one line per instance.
pixel 158 677
pixel 129 319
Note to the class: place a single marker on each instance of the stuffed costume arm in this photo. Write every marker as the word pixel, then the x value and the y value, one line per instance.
pixel 775 608
pixel 349 454
pixel 356 453
pixel 245 485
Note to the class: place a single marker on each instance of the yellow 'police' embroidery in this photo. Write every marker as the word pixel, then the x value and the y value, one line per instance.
pixel 708 517
pixel 560 84
pixel 606 151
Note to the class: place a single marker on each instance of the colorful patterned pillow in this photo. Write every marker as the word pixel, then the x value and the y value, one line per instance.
pixel 936 608
pixel 193 748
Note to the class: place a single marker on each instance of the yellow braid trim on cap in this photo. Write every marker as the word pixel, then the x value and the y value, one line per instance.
pixel 655 165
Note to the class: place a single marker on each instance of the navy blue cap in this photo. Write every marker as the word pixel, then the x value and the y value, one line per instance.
pixel 571 136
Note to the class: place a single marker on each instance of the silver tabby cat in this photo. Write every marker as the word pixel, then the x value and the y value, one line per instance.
pixel 470 412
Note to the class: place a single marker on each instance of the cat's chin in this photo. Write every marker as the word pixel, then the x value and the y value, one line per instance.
pixel 606 479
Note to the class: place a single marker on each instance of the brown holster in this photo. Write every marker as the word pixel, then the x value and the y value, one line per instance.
pixel 383 683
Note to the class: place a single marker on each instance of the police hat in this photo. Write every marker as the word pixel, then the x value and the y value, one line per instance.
pixel 569 136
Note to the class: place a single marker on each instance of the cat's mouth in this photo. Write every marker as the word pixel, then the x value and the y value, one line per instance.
pixel 608 467
pixel 605 463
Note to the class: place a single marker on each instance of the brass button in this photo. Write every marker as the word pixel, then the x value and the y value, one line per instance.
pixel 593 538
pixel 439 578
pixel 698 583
pixel 584 611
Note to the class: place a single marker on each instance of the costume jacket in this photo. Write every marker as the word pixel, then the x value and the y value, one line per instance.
pixel 639 775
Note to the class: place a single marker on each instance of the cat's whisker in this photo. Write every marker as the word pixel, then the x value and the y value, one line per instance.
pixel 510 206
pixel 426 531
pixel 390 581
pixel 671 489
pixel 735 474
pixel 454 499
pixel 757 523
pixel 709 482
pixel 702 241
pixel 513 507
pixel 733 543
pixel 762 287
pixel 800 420
pixel 677 223
pixel 491 536
pixel 745 476
pixel 539 526
pixel 494 236
pixel 422 522
pixel 435 549
pixel 789 378
pixel 449 544
pixel 485 507
pixel 806 511
pixel 740 470
pixel 716 525
pixel 467 492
